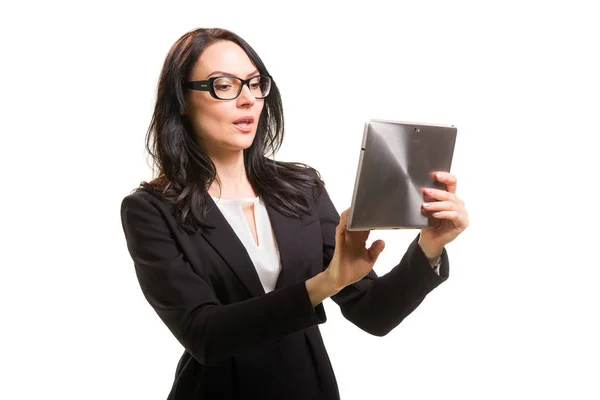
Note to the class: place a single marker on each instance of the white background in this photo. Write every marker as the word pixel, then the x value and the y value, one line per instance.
pixel 518 317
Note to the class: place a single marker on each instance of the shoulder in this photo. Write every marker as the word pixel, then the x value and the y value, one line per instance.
pixel 139 196
pixel 143 203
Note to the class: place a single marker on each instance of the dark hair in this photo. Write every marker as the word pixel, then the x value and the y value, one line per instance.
pixel 185 172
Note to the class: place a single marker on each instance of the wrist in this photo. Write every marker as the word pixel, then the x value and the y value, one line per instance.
pixel 320 287
pixel 432 253
pixel 329 282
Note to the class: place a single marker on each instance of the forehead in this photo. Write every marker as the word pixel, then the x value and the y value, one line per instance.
pixel 223 56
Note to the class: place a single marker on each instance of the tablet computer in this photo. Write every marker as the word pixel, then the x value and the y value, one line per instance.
pixel 397 160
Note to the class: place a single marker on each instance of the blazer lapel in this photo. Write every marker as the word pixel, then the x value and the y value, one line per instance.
pixel 226 242
pixel 286 230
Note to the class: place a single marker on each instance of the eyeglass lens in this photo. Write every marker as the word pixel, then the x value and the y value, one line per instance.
pixel 229 87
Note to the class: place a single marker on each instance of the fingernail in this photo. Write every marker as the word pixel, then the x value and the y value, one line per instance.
pixel 440 176
pixel 426 205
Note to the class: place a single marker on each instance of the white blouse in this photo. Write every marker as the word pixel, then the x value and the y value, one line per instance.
pixel 265 256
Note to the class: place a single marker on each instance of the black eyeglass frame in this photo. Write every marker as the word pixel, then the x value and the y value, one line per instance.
pixel 208 85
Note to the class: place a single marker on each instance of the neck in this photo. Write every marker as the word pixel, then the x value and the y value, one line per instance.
pixel 231 174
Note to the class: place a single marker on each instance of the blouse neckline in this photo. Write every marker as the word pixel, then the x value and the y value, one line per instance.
pixel 236 201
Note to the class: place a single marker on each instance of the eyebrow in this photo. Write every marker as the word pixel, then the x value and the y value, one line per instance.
pixel 255 72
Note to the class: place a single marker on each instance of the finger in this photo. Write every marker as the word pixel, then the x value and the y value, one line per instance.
pixel 432 195
pixel 340 230
pixel 355 238
pixel 459 219
pixel 376 249
pixel 437 194
pixel 343 224
pixel 445 205
pixel 344 219
pixel 345 214
pixel 427 197
pixel 448 179
pixel 339 236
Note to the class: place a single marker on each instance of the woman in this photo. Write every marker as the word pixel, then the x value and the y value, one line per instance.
pixel 236 252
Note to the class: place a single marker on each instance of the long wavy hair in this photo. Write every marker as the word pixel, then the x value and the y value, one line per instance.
pixel 185 171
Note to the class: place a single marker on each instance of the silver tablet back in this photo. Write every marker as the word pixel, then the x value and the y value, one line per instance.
pixel 397 161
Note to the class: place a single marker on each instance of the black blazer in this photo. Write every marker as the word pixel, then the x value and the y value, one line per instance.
pixel 239 342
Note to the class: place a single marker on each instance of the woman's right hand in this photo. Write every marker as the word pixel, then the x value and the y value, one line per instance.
pixel 351 261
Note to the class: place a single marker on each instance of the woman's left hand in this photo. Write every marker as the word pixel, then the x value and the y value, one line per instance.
pixel 448 216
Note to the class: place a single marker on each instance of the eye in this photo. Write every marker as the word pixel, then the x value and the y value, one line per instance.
pixel 224 84
pixel 222 87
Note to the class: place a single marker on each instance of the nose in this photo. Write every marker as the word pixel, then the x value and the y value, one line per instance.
pixel 246 97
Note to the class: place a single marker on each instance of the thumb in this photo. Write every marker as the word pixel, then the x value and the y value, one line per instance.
pixel 376 249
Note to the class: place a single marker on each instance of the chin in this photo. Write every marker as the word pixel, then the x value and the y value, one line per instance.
pixel 243 142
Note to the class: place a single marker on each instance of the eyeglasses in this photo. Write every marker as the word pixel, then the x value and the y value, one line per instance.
pixel 230 87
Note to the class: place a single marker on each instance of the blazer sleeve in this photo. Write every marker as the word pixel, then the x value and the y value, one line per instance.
pixel 378 304
pixel 186 303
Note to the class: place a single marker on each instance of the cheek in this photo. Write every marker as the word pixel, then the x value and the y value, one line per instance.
pixel 209 119
pixel 260 107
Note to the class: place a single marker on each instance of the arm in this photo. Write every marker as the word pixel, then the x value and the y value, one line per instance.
pixel 186 303
pixel 379 304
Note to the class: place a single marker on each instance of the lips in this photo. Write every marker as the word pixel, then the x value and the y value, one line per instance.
pixel 244 123
pixel 247 120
